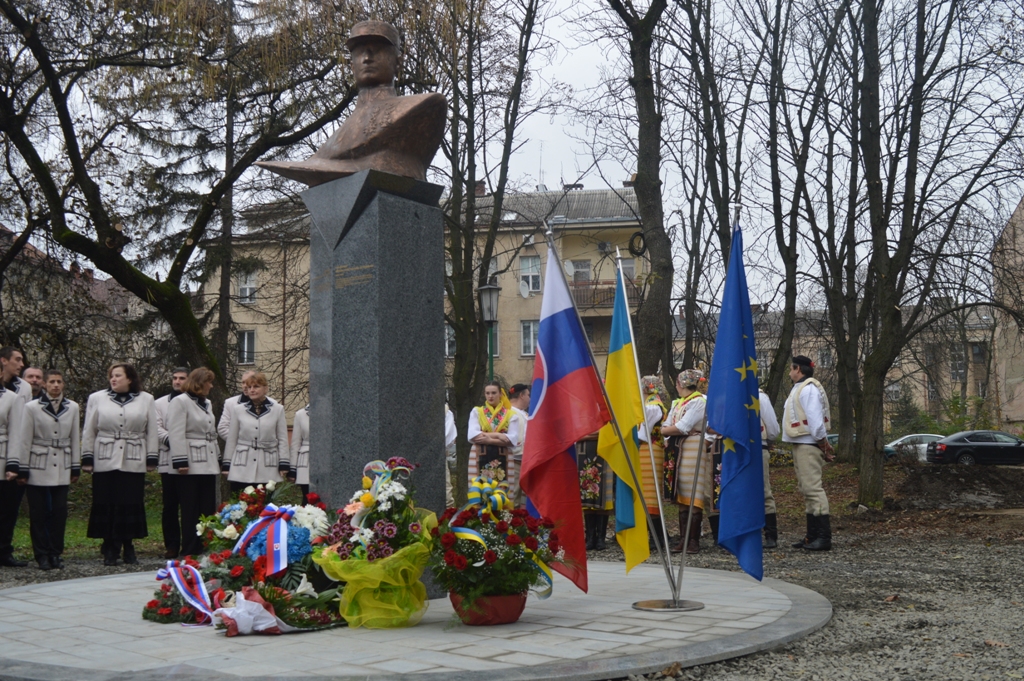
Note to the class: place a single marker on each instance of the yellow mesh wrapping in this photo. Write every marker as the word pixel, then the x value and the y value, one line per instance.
pixel 386 593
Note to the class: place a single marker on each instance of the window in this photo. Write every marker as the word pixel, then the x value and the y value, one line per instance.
pixel 893 391
pixel 580 270
pixel 982 387
pixel 629 269
pixel 529 336
pixel 529 271
pixel 978 353
pixel 825 359
pixel 588 327
pixel 247 288
pixel 981 437
pixel 492 270
pixel 1003 437
pixel 449 341
pixel 957 364
pixel 246 347
pixel 933 393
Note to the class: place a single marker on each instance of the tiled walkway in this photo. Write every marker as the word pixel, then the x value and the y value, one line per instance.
pixel 92 629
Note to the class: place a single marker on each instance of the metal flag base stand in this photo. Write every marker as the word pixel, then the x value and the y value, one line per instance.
pixel 660 605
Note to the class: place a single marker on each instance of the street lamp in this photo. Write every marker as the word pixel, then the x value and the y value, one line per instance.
pixel 489 312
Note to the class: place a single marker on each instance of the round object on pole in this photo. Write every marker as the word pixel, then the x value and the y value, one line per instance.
pixel 668 605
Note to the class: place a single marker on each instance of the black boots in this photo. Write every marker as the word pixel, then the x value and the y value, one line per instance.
pixel 600 532
pixel 823 535
pixel 590 530
pixel 713 522
pixel 129 553
pixel 658 537
pixel 809 537
pixel 771 531
pixel 595 526
pixel 8 560
pixel 819 534
pixel 110 550
pixel 689 542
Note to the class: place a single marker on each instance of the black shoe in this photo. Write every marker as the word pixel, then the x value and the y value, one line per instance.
pixel 172 554
pixel 589 530
pixel 129 554
pixel 823 537
pixel 11 561
pixel 44 564
pixel 713 522
pixel 771 531
pixel 809 537
pixel 57 562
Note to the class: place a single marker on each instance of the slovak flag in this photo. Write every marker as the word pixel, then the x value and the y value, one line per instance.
pixel 566 404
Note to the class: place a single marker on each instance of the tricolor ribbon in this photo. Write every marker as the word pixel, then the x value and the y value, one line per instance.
pixel 276 521
pixel 195 594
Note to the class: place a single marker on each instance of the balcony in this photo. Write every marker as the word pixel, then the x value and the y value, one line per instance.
pixel 598 297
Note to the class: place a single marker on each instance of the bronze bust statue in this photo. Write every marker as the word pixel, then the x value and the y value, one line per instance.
pixel 397 135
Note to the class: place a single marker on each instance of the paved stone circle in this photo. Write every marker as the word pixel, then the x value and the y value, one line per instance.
pixel 92 630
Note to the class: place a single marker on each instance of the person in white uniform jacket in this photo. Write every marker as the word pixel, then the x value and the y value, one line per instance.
pixel 519 397
pixel 169 479
pixel 805 422
pixel 256 450
pixel 50 432
pixel 195 454
pixel 224 425
pixel 299 473
pixel 12 408
pixel 119 444
pixel 11 491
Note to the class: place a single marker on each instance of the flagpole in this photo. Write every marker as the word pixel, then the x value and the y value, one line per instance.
pixel 650 436
pixel 676 603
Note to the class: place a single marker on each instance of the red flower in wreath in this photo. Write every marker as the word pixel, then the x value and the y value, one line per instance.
pixel 501 526
pixel 517 521
pixel 226 553
pixel 449 557
pixel 448 539
pixel 216 559
pixel 237 571
pixel 513 540
pixel 313 498
pixel 153 604
pixel 548 522
pixel 553 546
pixel 259 569
pixel 531 543
pixel 321 505
pixel 434 532
pixel 460 562
pixel 164 612
pixel 490 556
pixel 183 610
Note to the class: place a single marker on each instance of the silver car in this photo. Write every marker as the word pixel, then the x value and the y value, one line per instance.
pixel 916 443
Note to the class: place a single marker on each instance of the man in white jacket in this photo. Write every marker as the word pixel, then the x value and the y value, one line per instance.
pixel 805 423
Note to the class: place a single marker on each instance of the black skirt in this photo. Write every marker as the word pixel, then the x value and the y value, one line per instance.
pixel 118 506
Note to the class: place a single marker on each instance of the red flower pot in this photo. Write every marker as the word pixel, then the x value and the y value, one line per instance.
pixel 488 610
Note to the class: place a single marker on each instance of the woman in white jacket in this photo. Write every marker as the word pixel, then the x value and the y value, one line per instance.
pixel 299 473
pixel 119 444
pixel 195 454
pixel 256 450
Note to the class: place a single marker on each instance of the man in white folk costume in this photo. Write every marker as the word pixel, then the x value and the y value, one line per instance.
pixel 519 398
pixel 50 437
pixel 805 424
pixel 769 431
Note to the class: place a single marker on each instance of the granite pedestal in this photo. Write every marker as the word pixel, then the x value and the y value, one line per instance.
pixel 376 332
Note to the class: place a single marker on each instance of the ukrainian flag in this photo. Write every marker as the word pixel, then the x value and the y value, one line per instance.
pixel 623 390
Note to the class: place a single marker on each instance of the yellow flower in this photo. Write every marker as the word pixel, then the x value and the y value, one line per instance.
pixel 367 483
pixel 367 499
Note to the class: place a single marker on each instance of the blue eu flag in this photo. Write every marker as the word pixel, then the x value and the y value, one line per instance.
pixel 734 412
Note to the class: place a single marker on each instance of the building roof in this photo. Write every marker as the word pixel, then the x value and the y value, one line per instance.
pixel 580 206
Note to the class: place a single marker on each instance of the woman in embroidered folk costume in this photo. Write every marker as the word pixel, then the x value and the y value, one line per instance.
pixel 684 421
pixel 493 432
pixel 651 442
pixel 120 442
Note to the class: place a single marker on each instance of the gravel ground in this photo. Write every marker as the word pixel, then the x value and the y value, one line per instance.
pixel 912 600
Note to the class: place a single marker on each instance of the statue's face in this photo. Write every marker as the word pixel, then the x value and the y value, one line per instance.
pixel 374 63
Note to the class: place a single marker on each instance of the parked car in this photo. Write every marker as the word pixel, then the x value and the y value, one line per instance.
pixel 977 446
pixel 916 443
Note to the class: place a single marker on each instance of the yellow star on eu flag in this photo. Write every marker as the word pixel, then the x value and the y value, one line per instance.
pixel 751 366
pixel 755 405
pixel 729 445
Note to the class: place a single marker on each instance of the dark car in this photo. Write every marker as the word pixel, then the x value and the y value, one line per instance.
pixel 977 446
